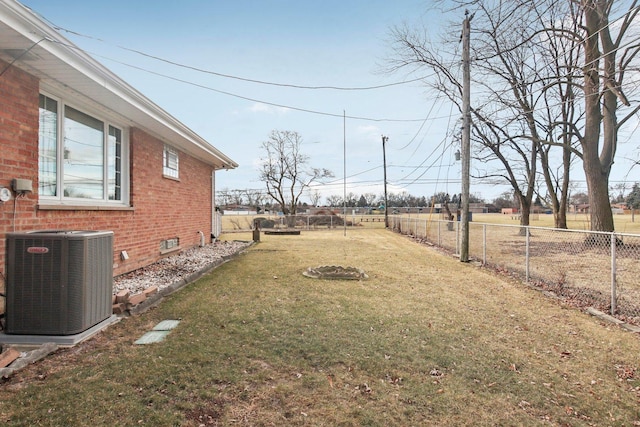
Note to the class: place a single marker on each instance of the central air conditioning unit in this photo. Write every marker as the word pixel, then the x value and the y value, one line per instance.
pixel 58 282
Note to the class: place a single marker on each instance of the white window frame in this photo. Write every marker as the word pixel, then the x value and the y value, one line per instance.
pixel 60 199
pixel 170 162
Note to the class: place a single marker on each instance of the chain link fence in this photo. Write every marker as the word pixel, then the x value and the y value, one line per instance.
pixel 585 268
pixel 300 222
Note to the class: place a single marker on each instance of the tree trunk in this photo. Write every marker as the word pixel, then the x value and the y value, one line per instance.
pixel 561 220
pixel 525 214
pixel 561 203
pixel 558 202
pixel 449 216
pixel 597 165
pixel 599 205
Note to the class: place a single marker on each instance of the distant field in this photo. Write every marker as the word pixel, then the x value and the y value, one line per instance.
pixel 623 223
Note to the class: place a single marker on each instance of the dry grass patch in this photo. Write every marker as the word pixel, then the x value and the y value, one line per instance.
pixel 573 264
pixel 424 341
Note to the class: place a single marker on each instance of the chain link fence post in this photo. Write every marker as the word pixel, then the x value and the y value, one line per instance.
pixel 484 244
pixel 614 297
pixel 527 234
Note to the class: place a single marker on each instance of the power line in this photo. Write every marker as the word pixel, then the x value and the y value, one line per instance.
pixel 9 65
pixel 442 143
pixel 337 181
pixel 421 126
pixel 262 82
pixel 231 76
pixel 273 104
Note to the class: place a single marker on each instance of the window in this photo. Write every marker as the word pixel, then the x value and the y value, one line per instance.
pixel 114 163
pixel 170 162
pixel 81 157
pixel 48 147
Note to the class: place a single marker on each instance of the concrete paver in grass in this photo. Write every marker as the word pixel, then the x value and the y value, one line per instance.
pixel 158 333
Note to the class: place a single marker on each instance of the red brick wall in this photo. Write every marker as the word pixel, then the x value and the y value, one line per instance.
pixel 162 208
pixel 18 146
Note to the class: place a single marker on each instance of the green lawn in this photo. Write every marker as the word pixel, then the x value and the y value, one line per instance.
pixel 425 340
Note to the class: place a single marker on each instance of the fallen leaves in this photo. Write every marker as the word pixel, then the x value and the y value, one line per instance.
pixel 363 388
pixel 393 379
pixel 435 372
pixel 625 372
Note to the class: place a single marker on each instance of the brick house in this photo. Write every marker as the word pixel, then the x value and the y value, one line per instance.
pixel 97 154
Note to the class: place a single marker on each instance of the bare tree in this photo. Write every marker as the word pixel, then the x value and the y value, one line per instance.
pixel 604 91
pixel 505 200
pixel 286 171
pixel 224 197
pixel 371 198
pixel 551 77
pixel 560 98
pixel 504 127
pixel 352 199
pixel 579 199
pixel 315 196
pixel 237 197
pixel 334 201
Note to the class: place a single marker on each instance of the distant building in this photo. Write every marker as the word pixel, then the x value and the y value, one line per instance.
pixel 581 208
pixel 237 210
pixel 478 207
pixel 620 208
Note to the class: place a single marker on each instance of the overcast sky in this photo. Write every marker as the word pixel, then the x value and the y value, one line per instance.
pixel 288 42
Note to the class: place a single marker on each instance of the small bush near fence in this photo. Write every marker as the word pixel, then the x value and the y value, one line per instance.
pixel 265 222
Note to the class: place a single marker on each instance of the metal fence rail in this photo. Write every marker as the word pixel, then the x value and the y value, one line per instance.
pixel 601 270
pixel 301 222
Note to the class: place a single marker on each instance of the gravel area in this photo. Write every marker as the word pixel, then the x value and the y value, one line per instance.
pixel 173 268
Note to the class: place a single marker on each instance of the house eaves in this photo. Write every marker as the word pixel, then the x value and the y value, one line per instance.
pixel 28 43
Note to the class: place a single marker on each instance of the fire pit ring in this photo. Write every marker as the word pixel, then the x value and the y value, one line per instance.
pixel 335 272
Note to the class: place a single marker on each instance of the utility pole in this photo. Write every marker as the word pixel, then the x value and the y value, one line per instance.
pixel 384 162
pixel 466 137
pixel 344 169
